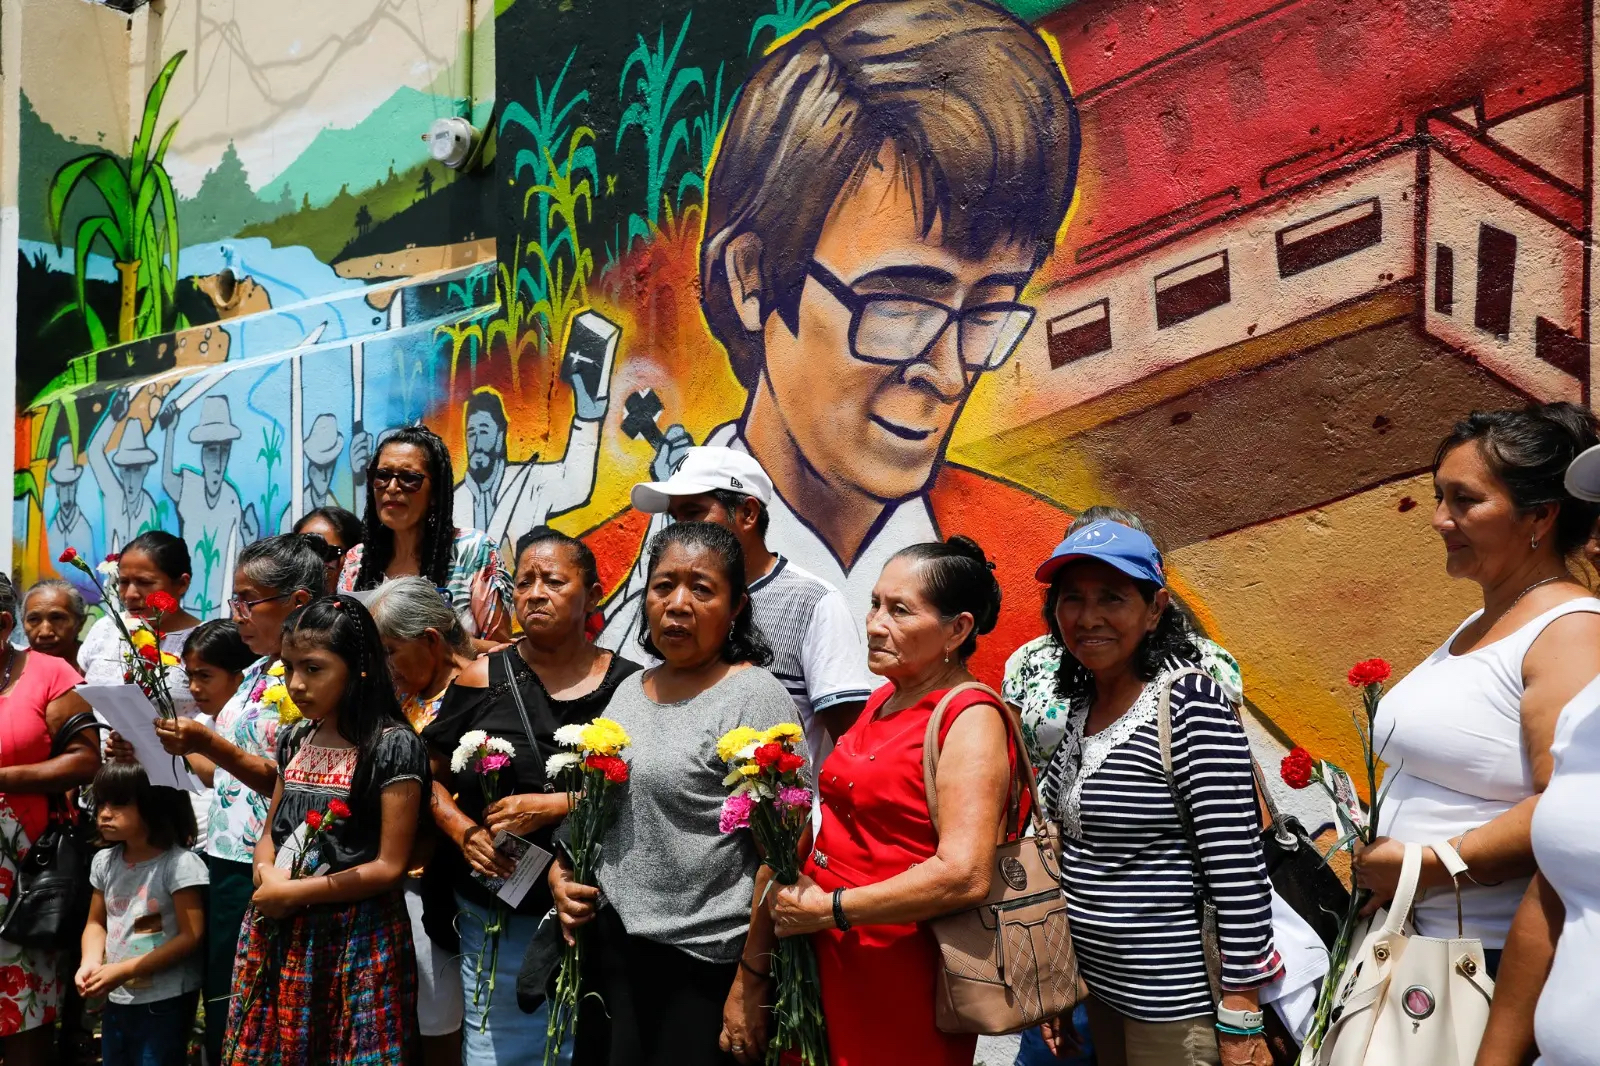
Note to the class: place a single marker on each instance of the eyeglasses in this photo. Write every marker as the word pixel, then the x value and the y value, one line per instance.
pixel 409 481
pixel 244 608
pixel 894 329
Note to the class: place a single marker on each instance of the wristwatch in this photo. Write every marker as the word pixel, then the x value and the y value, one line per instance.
pixel 1239 1019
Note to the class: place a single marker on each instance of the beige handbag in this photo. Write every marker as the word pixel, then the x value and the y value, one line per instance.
pixel 1411 1000
pixel 1008 963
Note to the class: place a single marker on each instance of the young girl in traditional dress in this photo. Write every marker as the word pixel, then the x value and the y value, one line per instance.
pixel 325 971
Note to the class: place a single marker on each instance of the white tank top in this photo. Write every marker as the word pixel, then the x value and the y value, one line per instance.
pixel 1456 756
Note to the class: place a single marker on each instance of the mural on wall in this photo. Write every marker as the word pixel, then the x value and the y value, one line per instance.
pixel 942 266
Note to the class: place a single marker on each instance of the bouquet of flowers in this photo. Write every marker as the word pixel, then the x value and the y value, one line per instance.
pixel 771 799
pixel 146 665
pixel 301 856
pixel 276 693
pixel 1301 770
pixel 486 757
pixel 593 770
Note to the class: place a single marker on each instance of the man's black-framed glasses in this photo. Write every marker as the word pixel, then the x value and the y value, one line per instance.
pixel 893 328
pixel 242 607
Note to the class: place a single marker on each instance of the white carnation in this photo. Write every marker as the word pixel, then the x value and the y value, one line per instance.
pixel 471 741
pixel 501 745
pixel 570 736
pixel 473 738
pixel 560 763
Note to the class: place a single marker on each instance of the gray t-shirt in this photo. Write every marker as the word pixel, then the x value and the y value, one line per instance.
pixel 671 874
pixel 140 917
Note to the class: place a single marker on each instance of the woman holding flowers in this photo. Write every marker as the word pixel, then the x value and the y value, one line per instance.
pixel 1129 868
pixel 678 957
pixel 561 679
pixel 151 577
pixel 325 973
pixel 37 702
pixel 1466 735
pixel 879 867
pixel 274 578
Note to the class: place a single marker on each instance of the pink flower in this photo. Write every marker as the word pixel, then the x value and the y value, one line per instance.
pixel 794 799
pixel 493 762
pixel 736 812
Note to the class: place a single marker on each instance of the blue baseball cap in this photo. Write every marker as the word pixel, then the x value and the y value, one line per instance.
pixel 1111 543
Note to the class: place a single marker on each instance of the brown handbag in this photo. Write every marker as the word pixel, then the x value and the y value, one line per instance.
pixel 1007 964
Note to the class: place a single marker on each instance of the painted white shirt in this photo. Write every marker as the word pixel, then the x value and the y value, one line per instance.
pixel 122 526
pixel 215 533
pixel 529 493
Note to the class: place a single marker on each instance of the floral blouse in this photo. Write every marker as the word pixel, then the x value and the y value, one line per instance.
pixel 249 722
pixel 1030 686
pixel 479 587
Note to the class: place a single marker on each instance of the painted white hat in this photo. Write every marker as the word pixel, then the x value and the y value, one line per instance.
pixel 706 470
pixel 324 440
pixel 131 450
pixel 1583 476
pixel 66 469
pixel 215 424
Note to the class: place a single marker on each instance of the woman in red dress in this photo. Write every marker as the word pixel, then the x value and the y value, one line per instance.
pixel 879 868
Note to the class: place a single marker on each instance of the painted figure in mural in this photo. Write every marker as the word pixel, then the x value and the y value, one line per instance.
pixel 213 523
pixel 68 526
pixel 323 444
pixel 888 183
pixel 506 499
pixel 129 507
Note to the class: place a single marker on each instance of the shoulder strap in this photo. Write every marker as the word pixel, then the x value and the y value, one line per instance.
pixel 74 725
pixel 1405 892
pixel 1024 776
pixel 516 694
pixel 1164 732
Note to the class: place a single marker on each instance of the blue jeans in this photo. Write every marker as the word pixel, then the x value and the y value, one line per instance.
pixel 1035 1052
pixel 494 1031
pixel 148 1034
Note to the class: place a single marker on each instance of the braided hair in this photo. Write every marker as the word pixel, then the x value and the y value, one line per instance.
pixel 439 527
pixel 341 625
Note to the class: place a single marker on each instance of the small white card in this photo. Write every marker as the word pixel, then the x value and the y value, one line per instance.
pixel 531 863
pixel 292 848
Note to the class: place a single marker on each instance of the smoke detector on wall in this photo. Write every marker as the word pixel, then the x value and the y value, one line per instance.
pixel 451 141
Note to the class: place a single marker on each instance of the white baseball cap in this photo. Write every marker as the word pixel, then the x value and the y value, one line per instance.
pixel 1583 476
pixel 705 470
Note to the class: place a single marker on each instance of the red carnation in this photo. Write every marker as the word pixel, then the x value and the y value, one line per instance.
pixel 338 808
pixel 1369 672
pixel 615 769
pixel 1298 768
pixel 70 555
pixel 769 755
pixel 150 654
pixel 789 762
pixel 114 557
pixel 161 603
pixel 314 819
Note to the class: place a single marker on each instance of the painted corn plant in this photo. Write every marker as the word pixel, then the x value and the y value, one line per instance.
pixel 659 90
pixel 209 556
pixel 271 454
pixel 139 229
pixel 548 125
pixel 566 294
pixel 789 16
pixel 707 128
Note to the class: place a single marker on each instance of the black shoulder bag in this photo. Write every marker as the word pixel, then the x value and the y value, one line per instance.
pixel 51 901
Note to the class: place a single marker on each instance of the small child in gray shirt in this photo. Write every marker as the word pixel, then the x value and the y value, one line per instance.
pixel 146 921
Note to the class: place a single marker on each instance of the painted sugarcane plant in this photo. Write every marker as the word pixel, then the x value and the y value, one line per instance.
pixel 139 229
pixel 658 90
pixel 789 16
pixel 707 128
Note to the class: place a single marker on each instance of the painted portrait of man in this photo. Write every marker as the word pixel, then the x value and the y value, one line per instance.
pixel 889 181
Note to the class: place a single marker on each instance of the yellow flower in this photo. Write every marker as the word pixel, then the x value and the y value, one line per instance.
pixel 276 669
pixel 734 741
pixel 750 769
pixel 782 733
pixel 142 638
pixel 275 694
pixel 288 713
pixel 168 659
pixel 605 737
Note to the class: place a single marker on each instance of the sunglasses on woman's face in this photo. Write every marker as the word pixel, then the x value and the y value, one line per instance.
pixel 407 480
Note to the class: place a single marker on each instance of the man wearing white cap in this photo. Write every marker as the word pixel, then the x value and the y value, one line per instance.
pixel 129 508
pixel 819 650
pixel 214 523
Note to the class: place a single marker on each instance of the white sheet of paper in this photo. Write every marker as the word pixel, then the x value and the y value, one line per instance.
pixel 529 868
pixel 129 711
pixel 292 848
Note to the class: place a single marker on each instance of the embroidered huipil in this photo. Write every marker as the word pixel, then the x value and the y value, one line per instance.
pixel 238 812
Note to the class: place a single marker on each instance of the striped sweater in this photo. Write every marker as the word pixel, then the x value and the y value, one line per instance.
pixel 1128 871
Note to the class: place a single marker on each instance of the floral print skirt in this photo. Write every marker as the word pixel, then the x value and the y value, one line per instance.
pixel 31 987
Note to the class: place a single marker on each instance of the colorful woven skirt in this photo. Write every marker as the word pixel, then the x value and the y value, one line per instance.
pixel 332 986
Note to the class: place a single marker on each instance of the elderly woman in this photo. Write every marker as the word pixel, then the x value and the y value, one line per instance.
pixel 1129 868
pixel 53 613
pixel 410 530
pixel 880 867
pixel 426 649
pixel 46 748
pixel 561 678
pixel 1470 728
pixel 680 952
pixel 273 578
